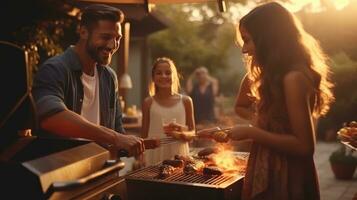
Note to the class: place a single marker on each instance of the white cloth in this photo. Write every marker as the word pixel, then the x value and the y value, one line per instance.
pixel 90 104
pixel 158 114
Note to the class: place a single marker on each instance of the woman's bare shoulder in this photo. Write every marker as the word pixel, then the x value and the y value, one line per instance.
pixel 297 80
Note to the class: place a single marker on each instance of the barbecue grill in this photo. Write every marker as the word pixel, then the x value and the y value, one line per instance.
pixel 146 184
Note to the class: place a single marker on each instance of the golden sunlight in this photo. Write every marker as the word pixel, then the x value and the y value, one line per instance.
pixel 315 5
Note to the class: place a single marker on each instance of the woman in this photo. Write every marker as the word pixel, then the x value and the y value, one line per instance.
pixel 284 92
pixel 203 93
pixel 166 109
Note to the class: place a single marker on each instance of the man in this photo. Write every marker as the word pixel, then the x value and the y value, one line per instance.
pixel 76 93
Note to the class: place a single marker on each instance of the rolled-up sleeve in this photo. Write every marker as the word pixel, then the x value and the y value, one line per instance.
pixel 48 89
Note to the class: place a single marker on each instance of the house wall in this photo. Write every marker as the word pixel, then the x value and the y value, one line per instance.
pixel 135 62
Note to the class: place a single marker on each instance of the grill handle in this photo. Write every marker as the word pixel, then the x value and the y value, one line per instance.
pixel 114 165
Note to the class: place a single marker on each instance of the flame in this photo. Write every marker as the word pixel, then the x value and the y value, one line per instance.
pixel 225 159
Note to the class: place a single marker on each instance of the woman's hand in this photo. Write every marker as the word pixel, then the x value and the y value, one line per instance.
pixel 221 136
pixel 214 133
pixel 238 132
pixel 207 133
pixel 241 132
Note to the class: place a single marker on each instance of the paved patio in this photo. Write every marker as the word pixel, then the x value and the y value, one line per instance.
pixel 331 188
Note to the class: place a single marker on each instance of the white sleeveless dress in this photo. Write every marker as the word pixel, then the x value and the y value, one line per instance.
pixel 159 113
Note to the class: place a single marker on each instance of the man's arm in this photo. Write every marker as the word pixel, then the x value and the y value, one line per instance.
pixel 70 124
pixel 55 117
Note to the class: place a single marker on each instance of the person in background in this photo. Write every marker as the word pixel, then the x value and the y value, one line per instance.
pixel 167 113
pixel 283 94
pixel 203 93
pixel 76 93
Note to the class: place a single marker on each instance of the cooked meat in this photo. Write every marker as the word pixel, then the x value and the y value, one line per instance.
pixel 185 159
pixel 166 171
pixel 174 163
pixel 194 167
pixel 207 151
pixel 212 170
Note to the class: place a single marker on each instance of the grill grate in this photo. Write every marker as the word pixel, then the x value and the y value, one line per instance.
pixel 151 173
pixel 181 186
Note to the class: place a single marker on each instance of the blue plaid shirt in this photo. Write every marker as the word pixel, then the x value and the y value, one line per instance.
pixel 57 86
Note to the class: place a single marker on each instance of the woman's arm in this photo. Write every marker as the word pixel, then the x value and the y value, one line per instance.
pixel 146 117
pixel 243 103
pixel 302 139
pixel 190 120
pixel 189 84
pixel 215 86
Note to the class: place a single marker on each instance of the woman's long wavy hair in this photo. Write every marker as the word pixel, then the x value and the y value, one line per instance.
pixel 282 45
pixel 175 86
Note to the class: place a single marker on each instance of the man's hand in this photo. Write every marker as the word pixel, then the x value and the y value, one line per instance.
pixel 134 145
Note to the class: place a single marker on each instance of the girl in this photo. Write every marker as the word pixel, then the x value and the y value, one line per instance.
pixel 166 105
pixel 287 85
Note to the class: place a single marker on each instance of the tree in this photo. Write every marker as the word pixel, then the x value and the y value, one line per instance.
pixel 41 27
pixel 193 43
pixel 344 109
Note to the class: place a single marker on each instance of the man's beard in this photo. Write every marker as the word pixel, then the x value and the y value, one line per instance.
pixel 94 52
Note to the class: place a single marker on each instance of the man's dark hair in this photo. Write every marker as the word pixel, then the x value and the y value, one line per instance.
pixel 95 12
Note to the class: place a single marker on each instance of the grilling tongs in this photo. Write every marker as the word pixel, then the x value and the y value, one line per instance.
pixel 153 143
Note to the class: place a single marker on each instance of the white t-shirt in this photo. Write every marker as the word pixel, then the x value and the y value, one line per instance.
pixel 90 105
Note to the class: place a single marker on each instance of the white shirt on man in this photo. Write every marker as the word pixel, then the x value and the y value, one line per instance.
pixel 90 104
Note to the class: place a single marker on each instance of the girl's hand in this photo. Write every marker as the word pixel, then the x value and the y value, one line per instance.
pixel 173 126
pixel 188 135
pixel 182 135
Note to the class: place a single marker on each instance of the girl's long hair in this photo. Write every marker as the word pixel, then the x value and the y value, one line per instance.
pixel 282 45
pixel 175 86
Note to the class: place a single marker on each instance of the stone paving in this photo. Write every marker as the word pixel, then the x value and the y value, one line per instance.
pixel 330 187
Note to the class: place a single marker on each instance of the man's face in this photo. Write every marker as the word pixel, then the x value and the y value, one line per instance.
pixel 103 41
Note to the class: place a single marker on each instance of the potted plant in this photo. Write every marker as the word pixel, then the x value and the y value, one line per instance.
pixel 343 163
